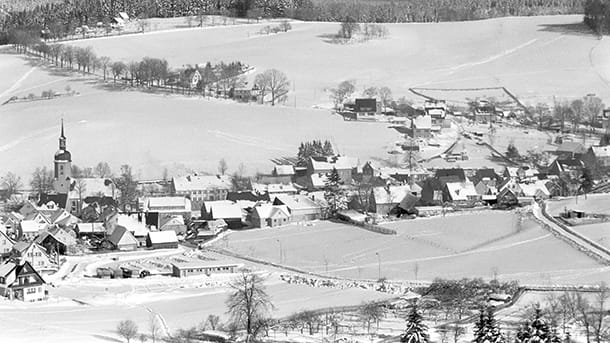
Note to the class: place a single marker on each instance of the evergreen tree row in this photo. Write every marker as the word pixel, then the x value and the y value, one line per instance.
pixel 61 18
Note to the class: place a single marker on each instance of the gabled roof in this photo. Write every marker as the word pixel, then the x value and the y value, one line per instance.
pixel 159 237
pixel 284 169
pixel 7 268
pixel 160 204
pixel 572 147
pixel 450 175
pixel 225 211
pixel 120 236
pixel 601 151
pixel 132 225
pixel 58 234
pixel 461 190
pixel 171 221
pixel 31 226
pixel 270 211
pixel 201 182
pixel 423 122
pixel 250 196
pixel 91 227
pixel 92 187
pixel 337 162
pixel 297 202
pixel 391 194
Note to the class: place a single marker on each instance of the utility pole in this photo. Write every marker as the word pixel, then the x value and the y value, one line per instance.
pixel 280 252
pixel 378 266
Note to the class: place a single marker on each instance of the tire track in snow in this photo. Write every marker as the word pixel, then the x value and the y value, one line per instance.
pixel 492 58
pixel 17 83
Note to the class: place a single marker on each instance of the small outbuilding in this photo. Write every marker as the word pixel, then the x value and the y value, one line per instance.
pixel 162 240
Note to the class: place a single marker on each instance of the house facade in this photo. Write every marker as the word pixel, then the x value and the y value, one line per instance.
pixel 270 216
pixel 22 282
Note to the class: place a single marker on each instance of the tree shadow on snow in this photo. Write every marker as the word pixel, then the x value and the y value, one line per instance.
pixel 576 29
pixel 331 38
pixel 107 338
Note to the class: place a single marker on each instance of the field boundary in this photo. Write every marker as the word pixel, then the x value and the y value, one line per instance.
pixel 578 241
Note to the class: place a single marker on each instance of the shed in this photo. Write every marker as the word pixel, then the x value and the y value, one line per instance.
pixel 162 240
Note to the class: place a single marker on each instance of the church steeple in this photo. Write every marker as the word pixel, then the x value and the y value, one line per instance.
pixel 62 138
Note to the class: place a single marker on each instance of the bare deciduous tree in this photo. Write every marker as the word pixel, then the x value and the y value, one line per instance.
pixel 249 303
pixel 222 166
pixel 11 184
pixel 127 329
pixel 275 83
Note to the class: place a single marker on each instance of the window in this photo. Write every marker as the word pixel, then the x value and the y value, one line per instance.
pixel 1 279
pixel 31 290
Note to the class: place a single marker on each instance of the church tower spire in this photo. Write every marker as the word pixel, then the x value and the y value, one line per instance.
pixel 63 166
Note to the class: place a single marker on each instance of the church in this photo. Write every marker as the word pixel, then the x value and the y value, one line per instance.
pixel 73 192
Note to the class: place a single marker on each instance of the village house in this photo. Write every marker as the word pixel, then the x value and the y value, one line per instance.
pixel 246 94
pixel 598 157
pixel 203 230
pixel 522 173
pixel 90 230
pixel 174 223
pixel 203 267
pixel 484 112
pixel 133 223
pixel 157 208
pixel 29 229
pixel 56 240
pixel 162 240
pixel 37 256
pixel 384 199
pixel 432 192
pixel 229 211
pixel 421 127
pixel 6 244
pixel 254 195
pixel 84 191
pixel 570 150
pixel 22 282
pixel 344 165
pixel 122 240
pixel 450 175
pixel 267 191
pixel 301 207
pixel 570 166
pixel 270 216
pixel 436 110
pixel 461 192
pixel 200 188
pixel 536 190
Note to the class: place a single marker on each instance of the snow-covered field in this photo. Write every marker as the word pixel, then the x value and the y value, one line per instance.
pixel 84 309
pixel 535 57
pixel 474 245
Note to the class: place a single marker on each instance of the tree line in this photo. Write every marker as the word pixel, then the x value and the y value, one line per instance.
pixel 61 18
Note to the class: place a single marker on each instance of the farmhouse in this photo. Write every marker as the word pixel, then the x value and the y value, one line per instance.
pixel 270 215
pixel 90 229
pixel 230 212
pixel 162 240
pixel 421 127
pixel 56 240
pixel 324 165
pixel 22 282
pixel 172 222
pixel 35 255
pixel 461 192
pixel 159 207
pixel 123 240
pixel 300 207
pixel 84 191
pixel 570 150
pixel 384 199
pixel 200 188
pixel 484 112
pixel 450 175
pixel 436 110
pixel 184 269
pixel 598 156
pixel 31 228
pixel 569 165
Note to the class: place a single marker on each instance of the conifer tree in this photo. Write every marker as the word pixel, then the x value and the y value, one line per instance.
pixel 333 194
pixel 417 331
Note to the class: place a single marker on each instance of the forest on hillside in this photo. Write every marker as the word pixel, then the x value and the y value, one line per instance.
pixel 62 17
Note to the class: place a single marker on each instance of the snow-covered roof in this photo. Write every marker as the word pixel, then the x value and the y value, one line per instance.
pixel 225 211
pixel 601 151
pixel 91 187
pixel 132 225
pixel 337 162
pixel 531 189
pixel 190 183
pixel 284 169
pixel 269 211
pixel 158 237
pixel 7 268
pixel 31 226
pixel 297 202
pixel 461 190
pixel 91 227
pixel 423 122
pixel 318 180
pixel 391 194
pixel 168 204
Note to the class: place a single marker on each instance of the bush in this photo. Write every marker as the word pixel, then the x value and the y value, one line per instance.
pixel 285 26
